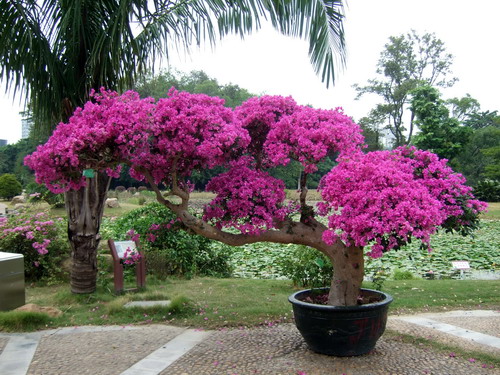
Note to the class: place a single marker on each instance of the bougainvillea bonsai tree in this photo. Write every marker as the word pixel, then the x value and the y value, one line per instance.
pixel 376 201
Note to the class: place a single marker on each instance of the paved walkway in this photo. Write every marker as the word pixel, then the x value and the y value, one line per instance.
pixel 278 350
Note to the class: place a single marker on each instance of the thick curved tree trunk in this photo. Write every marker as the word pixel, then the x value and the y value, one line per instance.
pixel 348 272
pixel 348 262
pixel 85 208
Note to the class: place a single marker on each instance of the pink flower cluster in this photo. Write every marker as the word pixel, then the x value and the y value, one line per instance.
pixel 258 116
pixel 178 134
pixel 131 257
pixel 281 130
pixel 247 199
pixel 188 132
pixel 381 197
pixel 133 235
pixel 33 229
pixel 103 133
pixel 309 135
pixel 387 197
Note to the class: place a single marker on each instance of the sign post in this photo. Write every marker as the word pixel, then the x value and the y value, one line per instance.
pixel 118 249
pixel 461 265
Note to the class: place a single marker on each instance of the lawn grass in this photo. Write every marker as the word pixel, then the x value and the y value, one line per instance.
pixel 438 295
pixel 23 320
pixel 493 211
pixel 215 303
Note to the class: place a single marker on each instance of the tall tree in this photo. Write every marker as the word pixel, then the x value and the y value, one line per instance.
pixel 57 51
pixel 477 162
pixel 439 132
pixel 481 120
pixel 462 108
pixel 157 86
pixel 406 62
pixel 372 131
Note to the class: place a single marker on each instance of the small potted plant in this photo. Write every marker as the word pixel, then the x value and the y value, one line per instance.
pixel 371 202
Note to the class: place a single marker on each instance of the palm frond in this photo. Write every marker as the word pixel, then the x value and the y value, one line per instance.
pixel 185 23
pixel 26 58
pixel 57 50
pixel 321 23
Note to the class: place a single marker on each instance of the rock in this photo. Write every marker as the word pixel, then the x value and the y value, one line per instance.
pixel 50 311
pixel 112 203
pixel 19 206
pixel 18 199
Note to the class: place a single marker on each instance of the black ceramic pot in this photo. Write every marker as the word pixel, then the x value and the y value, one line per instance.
pixel 341 330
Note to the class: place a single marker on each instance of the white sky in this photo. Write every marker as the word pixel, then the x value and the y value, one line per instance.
pixel 267 62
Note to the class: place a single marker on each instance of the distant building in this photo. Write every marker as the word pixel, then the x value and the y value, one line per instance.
pixel 387 139
pixel 26 124
pixel 3 142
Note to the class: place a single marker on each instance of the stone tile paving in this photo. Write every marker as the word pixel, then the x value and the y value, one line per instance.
pixel 98 353
pixel 443 338
pixel 3 342
pixel 280 350
pixel 486 324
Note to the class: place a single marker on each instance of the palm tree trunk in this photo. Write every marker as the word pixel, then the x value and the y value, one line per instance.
pixel 85 208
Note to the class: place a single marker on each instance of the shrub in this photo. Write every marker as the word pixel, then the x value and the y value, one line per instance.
pixel 169 249
pixel 9 186
pixel 42 242
pixel 142 188
pixel 488 191
pixel 307 267
pixel 120 189
pixel 37 193
pixel 132 190
pixel 23 320
pixel 403 275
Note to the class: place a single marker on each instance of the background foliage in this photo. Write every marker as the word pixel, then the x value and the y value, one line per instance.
pixel 173 251
pixel 20 233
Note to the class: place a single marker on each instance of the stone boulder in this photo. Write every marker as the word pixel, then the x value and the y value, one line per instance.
pixel 18 199
pixel 50 311
pixel 112 203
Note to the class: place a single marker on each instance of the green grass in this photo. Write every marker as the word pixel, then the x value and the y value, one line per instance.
pixel 22 321
pixel 493 211
pixel 215 303
pixel 439 295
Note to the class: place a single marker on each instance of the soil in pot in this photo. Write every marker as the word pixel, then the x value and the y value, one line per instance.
pixel 340 330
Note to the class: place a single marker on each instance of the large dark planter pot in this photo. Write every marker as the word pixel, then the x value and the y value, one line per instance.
pixel 341 330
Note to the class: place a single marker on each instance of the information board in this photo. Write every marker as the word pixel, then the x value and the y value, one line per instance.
pixel 460 265
pixel 122 246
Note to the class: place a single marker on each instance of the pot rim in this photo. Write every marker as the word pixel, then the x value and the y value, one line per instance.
pixel 368 306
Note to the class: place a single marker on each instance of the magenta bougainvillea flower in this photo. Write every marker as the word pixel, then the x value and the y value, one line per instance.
pixel 379 198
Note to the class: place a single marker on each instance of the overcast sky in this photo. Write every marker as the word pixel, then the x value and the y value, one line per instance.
pixel 268 63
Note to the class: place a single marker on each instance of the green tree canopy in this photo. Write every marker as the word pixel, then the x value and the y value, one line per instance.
pixel 472 162
pixel 12 159
pixel 480 120
pixel 406 62
pixel 439 132
pixel 196 81
pixel 9 186
pixel 462 108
